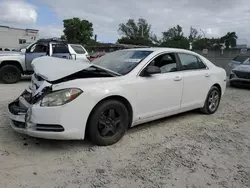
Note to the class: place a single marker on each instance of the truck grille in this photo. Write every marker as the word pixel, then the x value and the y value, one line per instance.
pixel 244 75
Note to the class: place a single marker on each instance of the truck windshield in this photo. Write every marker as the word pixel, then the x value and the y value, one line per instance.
pixel 240 59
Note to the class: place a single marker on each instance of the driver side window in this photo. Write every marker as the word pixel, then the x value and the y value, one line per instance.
pixel 39 48
pixel 166 63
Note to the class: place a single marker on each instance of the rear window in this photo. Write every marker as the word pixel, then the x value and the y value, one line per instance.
pixel 78 49
pixel 240 58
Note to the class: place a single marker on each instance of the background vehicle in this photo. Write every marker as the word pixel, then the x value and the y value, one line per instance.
pixel 238 60
pixel 15 64
pixel 96 55
pixel 119 90
pixel 240 75
pixel 78 50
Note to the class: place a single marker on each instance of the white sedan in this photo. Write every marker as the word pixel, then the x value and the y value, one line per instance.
pixel 101 100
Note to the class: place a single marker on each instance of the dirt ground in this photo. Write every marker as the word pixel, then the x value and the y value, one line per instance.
pixel 190 150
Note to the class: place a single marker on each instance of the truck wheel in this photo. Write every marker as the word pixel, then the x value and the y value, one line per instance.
pixel 10 74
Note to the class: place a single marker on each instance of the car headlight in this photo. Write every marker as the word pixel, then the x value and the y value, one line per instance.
pixel 60 97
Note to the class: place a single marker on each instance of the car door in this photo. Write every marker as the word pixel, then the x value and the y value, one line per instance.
pixel 36 50
pixel 196 81
pixel 160 94
pixel 60 50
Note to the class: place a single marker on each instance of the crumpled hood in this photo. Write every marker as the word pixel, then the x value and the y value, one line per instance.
pixel 243 68
pixel 9 53
pixel 53 68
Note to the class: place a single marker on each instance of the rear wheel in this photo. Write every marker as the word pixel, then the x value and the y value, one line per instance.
pixel 212 102
pixel 10 74
pixel 108 123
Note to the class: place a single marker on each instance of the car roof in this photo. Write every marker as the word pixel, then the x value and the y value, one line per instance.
pixel 156 49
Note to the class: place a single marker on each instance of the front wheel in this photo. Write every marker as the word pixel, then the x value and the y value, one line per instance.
pixel 10 74
pixel 108 123
pixel 212 101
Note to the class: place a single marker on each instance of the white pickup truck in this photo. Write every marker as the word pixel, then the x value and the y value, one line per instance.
pixel 15 64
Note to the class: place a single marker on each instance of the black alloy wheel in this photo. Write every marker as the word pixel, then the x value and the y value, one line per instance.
pixel 108 123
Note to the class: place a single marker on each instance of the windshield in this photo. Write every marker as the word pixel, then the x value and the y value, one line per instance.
pixel 122 62
pixel 78 49
pixel 247 62
pixel 240 58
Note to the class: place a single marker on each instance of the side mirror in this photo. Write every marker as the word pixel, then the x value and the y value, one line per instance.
pixel 23 50
pixel 148 71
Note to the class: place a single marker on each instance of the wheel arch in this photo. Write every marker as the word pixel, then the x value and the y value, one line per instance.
pixel 11 62
pixel 118 98
pixel 218 86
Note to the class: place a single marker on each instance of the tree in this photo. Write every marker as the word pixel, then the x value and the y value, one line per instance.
pixel 172 33
pixel 193 35
pixel 138 33
pixel 174 38
pixel 229 39
pixel 77 31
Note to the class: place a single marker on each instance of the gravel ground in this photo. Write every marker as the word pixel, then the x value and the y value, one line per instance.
pixel 188 150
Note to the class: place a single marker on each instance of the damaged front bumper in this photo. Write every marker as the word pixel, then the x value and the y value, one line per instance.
pixel 35 121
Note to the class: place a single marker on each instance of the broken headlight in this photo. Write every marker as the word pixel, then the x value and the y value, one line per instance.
pixel 60 97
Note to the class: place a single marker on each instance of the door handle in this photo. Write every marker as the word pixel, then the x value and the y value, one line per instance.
pixel 177 78
pixel 207 75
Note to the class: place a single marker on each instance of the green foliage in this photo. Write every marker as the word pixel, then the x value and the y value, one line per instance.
pixel 172 33
pixel 175 38
pixel 229 39
pixel 135 41
pixel 77 31
pixel 137 33
pixel 194 35
pixel 176 42
pixel 131 29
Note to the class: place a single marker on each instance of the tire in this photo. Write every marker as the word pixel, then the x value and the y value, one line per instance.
pixel 207 109
pixel 103 122
pixel 10 74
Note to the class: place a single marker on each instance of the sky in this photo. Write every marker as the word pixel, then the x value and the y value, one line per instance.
pixel 214 17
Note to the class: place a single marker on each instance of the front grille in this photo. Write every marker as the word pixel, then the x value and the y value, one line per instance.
pixel 244 75
pixel 49 128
